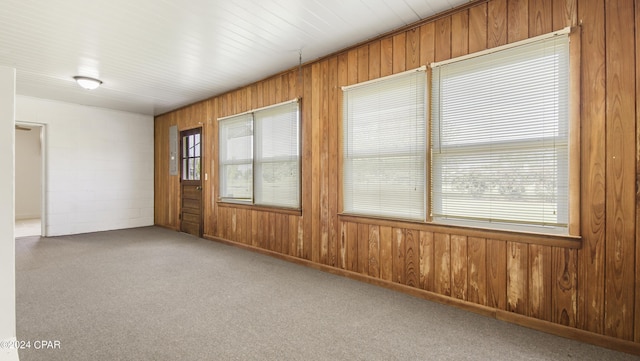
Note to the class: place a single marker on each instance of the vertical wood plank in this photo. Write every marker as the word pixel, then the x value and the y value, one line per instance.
pixel 496 274
pixel 344 246
pixel 363 63
pixel 478 28
pixel 564 13
pixel 343 79
pixel 333 136
pixel 324 162
pixel 352 245
pixel 316 139
pixel 277 89
pixel 255 229
pixel 233 225
pixel 293 235
pixel 301 238
pixel 363 248
pixel 398 255
pixel 477 269
pixel 540 275
pixel 412 49
pixel 591 256
pixel 459 273
pixel 497 23
pixel 540 17
pixel 307 164
pixel 284 233
pixel 442 263
pixel 517 20
pixel 386 56
pixel 374 60
pixel 637 290
pixel 386 253
pixel 284 92
pixel 426 261
pixel 374 251
pixel 272 220
pixel 399 45
pixel 564 292
pixel 517 266
pixel 277 232
pixel 620 180
pixel 460 33
pixel 427 43
pixel 412 258
pixel 443 39
pixel 352 67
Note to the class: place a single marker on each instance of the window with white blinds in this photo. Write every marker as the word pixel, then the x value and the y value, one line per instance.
pixel 384 147
pixel 500 138
pixel 260 156
pixel 277 156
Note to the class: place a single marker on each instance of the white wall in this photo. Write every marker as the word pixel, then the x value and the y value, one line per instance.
pixel 99 166
pixel 7 216
pixel 28 163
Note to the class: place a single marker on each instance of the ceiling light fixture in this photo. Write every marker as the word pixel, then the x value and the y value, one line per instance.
pixel 87 82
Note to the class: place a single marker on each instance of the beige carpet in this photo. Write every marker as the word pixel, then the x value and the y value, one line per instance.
pixel 154 294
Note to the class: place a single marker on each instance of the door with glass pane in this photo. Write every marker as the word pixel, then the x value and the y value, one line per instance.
pixel 190 183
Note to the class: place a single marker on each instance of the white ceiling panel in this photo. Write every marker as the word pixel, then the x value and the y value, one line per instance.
pixel 157 55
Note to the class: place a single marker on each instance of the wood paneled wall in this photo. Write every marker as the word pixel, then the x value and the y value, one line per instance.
pixel 592 287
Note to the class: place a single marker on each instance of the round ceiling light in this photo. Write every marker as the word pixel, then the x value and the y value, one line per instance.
pixel 87 82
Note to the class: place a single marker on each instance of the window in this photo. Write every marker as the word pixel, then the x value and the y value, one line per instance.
pixel 260 156
pixel 500 138
pixel 191 155
pixel 384 147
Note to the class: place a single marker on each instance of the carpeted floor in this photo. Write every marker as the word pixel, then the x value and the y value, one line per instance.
pixel 154 294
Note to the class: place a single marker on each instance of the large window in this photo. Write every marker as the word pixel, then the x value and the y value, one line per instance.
pixel 384 147
pixel 500 138
pixel 260 156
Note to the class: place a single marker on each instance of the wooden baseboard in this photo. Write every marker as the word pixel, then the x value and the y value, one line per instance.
pixel 540 325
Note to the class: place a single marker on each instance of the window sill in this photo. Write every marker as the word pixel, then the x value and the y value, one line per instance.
pixel 253 207
pixel 555 240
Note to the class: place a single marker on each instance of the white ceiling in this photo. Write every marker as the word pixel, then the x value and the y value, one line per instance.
pixel 157 55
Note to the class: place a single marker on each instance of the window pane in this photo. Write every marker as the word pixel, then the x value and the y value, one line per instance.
pixel 197 145
pixel 384 166
pixel 237 181
pixel 235 158
pixel 185 169
pixel 384 186
pixel 196 171
pixel 277 178
pixel 191 169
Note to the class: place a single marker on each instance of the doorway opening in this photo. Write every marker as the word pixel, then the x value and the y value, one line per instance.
pixel 29 179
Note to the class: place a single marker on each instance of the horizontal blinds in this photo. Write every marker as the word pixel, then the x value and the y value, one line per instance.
pixel 277 156
pixel 500 136
pixel 236 157
pixel 384 164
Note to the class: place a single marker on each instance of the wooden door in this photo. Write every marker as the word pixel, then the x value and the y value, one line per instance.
pixel 191 220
